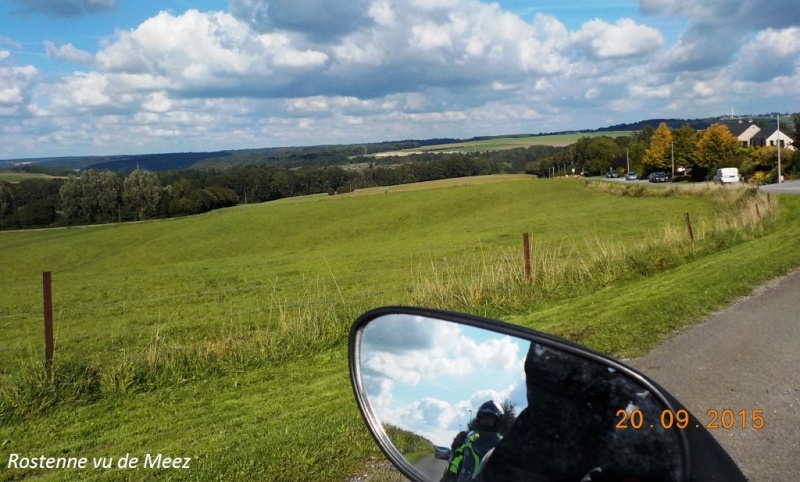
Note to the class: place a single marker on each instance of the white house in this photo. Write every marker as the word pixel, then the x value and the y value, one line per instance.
pixel 744 132
pixel 771 137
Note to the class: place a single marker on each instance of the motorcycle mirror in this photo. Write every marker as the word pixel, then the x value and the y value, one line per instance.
pixel 419 377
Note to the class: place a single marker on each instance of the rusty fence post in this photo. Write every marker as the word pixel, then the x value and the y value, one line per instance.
pixel 689 226
pixel 48 318
pixel 526 247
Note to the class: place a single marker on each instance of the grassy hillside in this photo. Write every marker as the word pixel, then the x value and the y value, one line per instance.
pixel 502 143
pixel 240 268
pixel 221 337
pixel 14 176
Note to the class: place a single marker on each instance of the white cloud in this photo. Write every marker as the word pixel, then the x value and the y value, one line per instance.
pixel 65 8
pixel 16 83
pixel 157 102
pixel 68 53
pixel 321 20
pixel 771 54
pixel 624 39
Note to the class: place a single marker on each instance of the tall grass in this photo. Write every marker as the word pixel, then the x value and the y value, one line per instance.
pixel 315 324
pixel 495 284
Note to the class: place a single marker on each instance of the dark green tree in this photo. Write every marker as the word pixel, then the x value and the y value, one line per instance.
pixel 141 192
pixel 796 131
pixel 685 141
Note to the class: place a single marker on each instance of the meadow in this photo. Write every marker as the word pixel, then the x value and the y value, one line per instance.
pixel 221 337
pixel 14 176
pixel 503 143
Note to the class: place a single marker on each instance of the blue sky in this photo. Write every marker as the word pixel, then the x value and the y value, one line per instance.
pixel 103 77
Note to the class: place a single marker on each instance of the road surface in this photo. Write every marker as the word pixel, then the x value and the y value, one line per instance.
pixel 432 468
pixel 746 357
pixel 788 187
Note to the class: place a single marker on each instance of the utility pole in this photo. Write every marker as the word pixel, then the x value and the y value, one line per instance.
pixel 778 143
pixel 672 155
pixel 627 161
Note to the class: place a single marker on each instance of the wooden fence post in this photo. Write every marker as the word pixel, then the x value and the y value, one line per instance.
pixel 48 318
pixel 689 226
pixel 526 247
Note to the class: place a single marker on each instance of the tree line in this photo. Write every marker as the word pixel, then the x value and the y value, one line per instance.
pixel 95 196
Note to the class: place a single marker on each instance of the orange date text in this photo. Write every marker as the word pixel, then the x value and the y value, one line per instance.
pixel 680 419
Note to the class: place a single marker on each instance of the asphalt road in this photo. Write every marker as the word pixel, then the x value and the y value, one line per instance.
pixel 746 357
pixel 788 187
pixel 432 468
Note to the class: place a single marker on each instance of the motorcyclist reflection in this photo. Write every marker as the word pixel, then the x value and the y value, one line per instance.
pixel 568 430
pixel 466 458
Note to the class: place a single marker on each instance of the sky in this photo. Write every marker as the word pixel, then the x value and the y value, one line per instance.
pixel 109 77
pixel 431 376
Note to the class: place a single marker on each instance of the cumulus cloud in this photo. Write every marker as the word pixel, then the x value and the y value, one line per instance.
pixel 64 8
pixel 413 49
pixel 318 19
pixel 211 54
pixel 68 53
pixel 16 84
pixel 624 39
pixel 771 54
pixel 717 31
pixel 747 14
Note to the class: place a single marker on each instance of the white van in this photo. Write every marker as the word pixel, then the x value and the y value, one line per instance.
pixel 726 175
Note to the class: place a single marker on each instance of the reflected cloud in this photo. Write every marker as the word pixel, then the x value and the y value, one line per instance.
pixel 426 376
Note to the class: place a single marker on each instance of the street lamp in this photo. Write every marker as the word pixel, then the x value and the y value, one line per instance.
pixel 627 161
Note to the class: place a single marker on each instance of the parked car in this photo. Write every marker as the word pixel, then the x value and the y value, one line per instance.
pixel 727 175
pixel 612 174
pixel 630 176
pixel 659 177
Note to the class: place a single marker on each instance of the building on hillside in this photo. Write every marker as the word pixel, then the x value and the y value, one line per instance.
pixel 744 131
pixel 771 137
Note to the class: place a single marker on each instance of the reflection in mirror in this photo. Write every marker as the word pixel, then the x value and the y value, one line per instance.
pixel 556 413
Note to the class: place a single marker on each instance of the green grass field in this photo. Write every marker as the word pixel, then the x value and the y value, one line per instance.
pixel 12 176
pixel 499 144
pixel 221 337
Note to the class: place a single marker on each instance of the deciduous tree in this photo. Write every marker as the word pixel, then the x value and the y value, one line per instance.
pixel 141 191
pixel 684 142
pixel 717 147
pixel 657 156
pixel 796 131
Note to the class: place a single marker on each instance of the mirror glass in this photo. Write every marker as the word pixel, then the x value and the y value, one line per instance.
pixel 557 415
